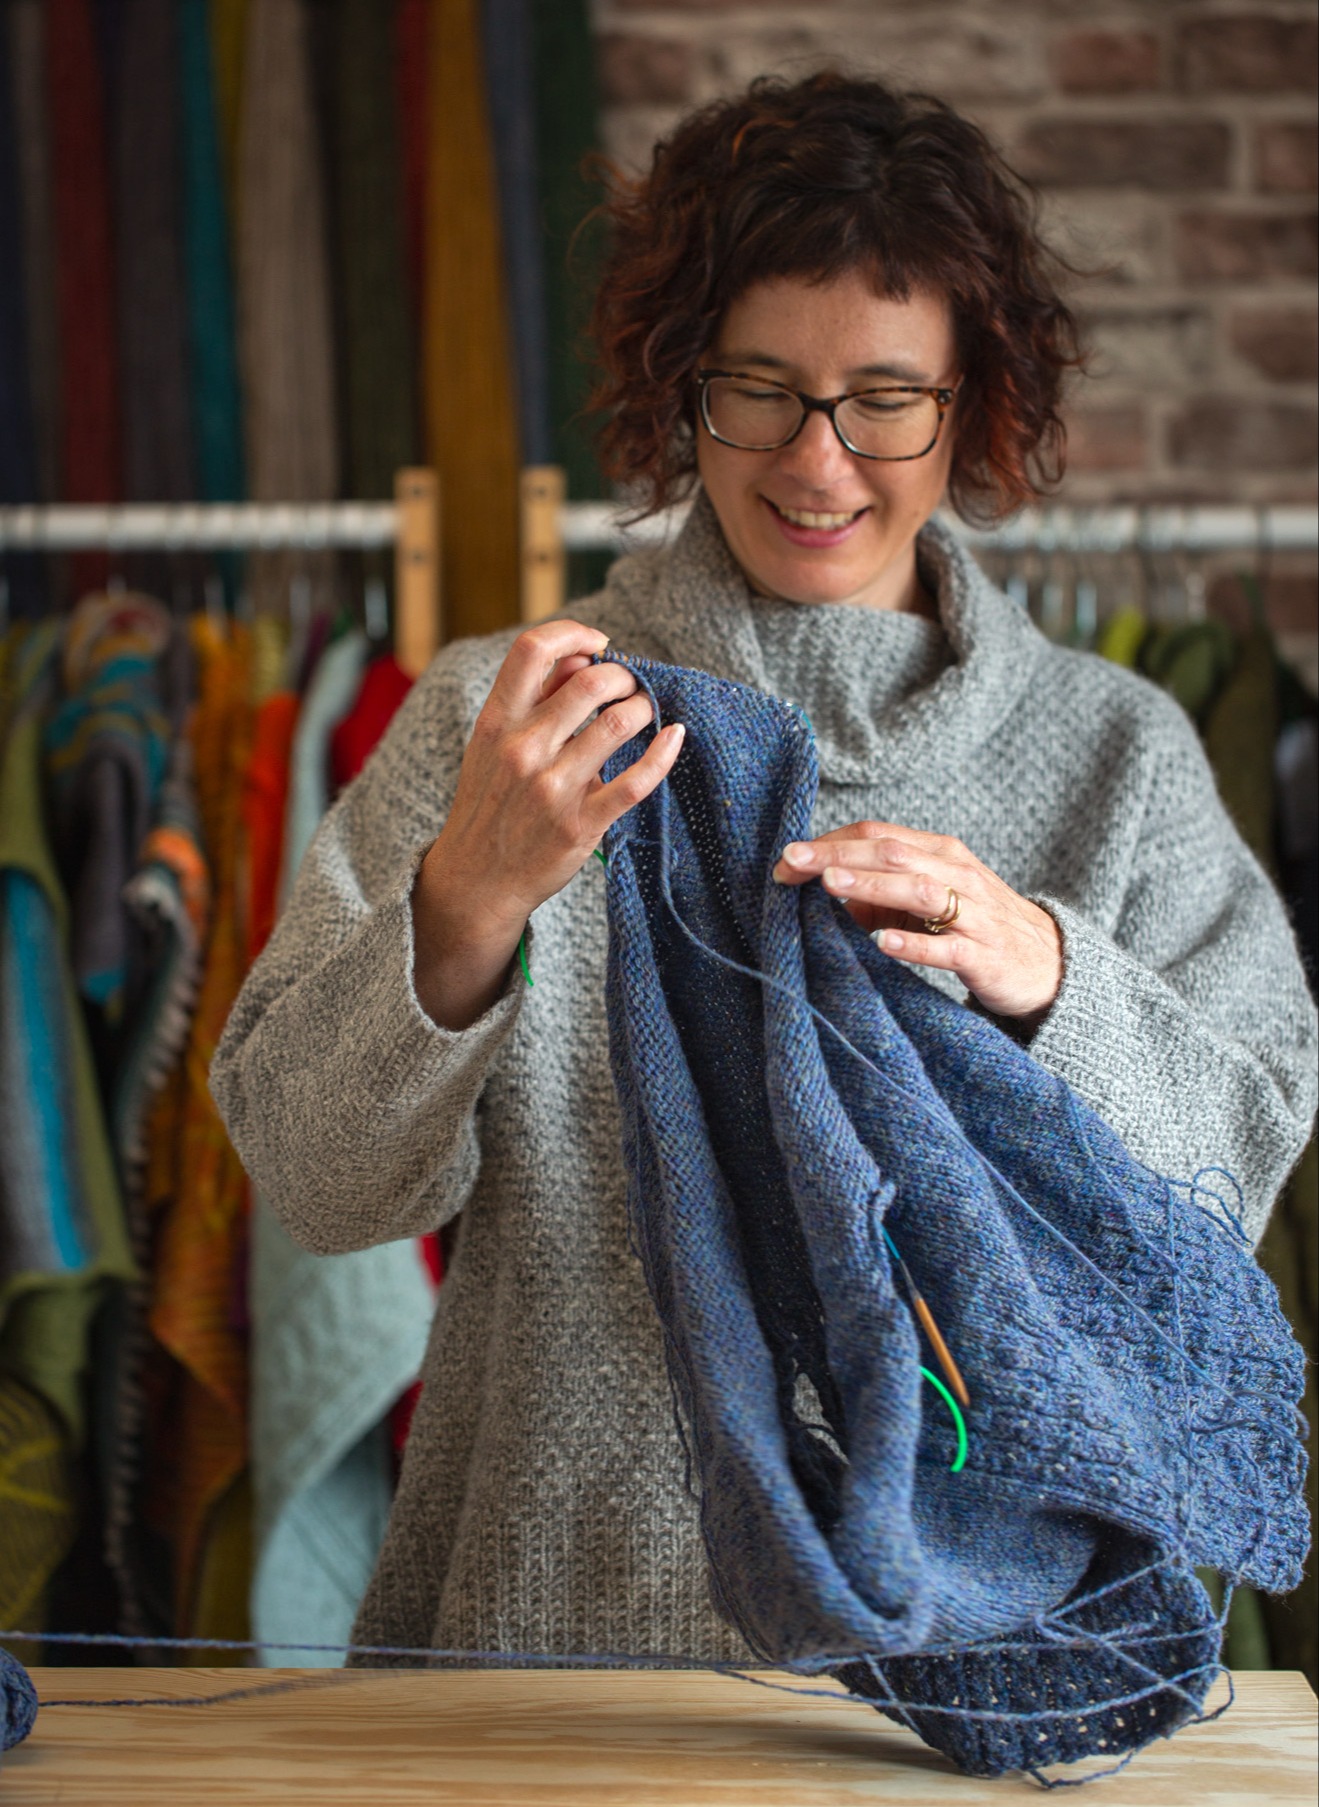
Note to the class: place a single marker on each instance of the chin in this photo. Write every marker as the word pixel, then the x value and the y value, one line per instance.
pixel 818 581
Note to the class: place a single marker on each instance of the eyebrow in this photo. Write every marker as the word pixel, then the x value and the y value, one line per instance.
pixel 902 373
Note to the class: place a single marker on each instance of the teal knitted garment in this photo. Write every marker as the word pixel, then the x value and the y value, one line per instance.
pixel 791 1101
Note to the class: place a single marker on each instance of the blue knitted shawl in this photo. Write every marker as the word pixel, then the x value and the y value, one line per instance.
pixel 789 1096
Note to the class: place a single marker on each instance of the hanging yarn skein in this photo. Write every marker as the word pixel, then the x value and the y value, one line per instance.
pixel 18 1702
pixel 796 1106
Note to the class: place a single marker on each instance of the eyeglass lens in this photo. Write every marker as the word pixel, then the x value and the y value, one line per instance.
pixel 758 417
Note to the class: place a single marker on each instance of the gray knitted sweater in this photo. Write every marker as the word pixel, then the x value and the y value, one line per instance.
pixel 541 1505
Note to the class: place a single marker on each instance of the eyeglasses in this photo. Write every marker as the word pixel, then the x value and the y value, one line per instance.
pixel 755 415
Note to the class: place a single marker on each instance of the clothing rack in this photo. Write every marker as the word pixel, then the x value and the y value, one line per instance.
pixel 410 523
pixel 552 527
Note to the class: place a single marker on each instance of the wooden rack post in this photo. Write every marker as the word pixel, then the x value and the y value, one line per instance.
pixel 544 562
pixel 417 601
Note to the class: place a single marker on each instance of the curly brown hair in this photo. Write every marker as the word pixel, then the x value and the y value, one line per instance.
pixel 813 179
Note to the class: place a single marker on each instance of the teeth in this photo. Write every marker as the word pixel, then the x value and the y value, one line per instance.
pixel 802 517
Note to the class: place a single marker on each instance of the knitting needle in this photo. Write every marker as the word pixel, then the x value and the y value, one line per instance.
pixel 952 1373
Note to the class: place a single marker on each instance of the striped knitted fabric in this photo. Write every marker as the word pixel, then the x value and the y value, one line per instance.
pixel 85 264
pixel 471 430
pixel 286 340
pixel 213 350
pixel 26 21
pixel 795 1105
pixel 153 315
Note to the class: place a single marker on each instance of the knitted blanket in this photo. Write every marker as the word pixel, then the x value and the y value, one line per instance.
pixel 797 1109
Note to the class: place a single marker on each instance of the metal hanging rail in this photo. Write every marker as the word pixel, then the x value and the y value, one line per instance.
pixel 410 524
pixel 599 526
pixel 189 526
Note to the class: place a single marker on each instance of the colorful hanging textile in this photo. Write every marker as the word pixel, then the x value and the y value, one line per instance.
pixel 470 426
pixel 24 592
pixel 169 898
pixel 378 357
pixel 197 1185
pixel 26 20
pixel 61 1222
pixel 265 805
pixel 85 284
pixel 213 351
pixel 106 747
pixel 798 1112
pixel 158 462
pixel 37 1499
pixel 286 347
pixel 384 686
pixel 565 109
pixel 411 64
pixel 335 1339
pixel 228 26
pixel 507 50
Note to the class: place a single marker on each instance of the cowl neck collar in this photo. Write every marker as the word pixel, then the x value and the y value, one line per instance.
pixel 876 686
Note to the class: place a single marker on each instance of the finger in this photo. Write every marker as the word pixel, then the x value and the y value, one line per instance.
pixel 917 894
pixel 890 852
pixel 635 784
pixel 950 952
pixel 562 670
pixel 590 689
pixel 584 754
pixel 520 681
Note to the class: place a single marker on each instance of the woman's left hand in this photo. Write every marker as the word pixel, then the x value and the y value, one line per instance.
pixel 1006 950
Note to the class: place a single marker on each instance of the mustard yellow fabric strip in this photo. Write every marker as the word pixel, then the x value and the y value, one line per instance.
pixel 471 432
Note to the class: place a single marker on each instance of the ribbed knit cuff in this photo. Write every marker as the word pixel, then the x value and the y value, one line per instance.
pixel 1075 1038
pixel 413 1052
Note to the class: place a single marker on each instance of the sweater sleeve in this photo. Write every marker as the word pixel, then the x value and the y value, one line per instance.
pixel 352 1111
pixel 1189 1027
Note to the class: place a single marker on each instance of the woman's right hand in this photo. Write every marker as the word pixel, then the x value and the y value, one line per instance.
pixel 529 810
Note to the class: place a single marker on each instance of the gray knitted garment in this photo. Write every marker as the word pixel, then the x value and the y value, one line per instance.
pixel 542 1505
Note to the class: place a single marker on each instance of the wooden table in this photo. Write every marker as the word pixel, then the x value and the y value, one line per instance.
pixel 389 1738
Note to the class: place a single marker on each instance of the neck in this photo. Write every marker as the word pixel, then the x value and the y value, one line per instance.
pixel 897 588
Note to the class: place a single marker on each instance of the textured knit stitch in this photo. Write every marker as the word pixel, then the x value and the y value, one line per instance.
pixel 791 1099
pixel 541 1504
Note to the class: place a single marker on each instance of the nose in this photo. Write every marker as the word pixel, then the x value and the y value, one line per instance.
pixel 817 457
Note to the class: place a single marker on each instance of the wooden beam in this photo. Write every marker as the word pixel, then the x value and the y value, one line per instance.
pixel 544 561
pixel 418 616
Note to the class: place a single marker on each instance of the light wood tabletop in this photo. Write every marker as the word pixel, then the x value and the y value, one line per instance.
pixel 555 1738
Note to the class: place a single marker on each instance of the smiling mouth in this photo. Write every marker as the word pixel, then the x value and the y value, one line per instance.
pixel 805 517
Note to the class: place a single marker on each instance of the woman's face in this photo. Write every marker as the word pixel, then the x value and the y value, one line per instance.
pixel 827 339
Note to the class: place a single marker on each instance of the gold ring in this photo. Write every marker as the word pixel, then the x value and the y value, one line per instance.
pixel 935 925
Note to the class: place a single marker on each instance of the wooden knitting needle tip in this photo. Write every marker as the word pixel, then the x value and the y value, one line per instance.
pixel 951 1372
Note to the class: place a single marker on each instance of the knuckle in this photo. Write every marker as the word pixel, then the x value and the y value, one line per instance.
pixel 616 723
pixel 521 759
pixel 893 852
pixel 633 786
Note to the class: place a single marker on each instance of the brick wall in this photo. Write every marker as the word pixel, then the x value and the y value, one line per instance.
pixel 1174 145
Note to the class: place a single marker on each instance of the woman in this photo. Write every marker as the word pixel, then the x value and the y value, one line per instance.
pixel 827 302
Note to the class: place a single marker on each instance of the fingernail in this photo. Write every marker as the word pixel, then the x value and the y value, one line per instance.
pixel 676 731
pixel 797 853
pixel 839 877
pixel 888 941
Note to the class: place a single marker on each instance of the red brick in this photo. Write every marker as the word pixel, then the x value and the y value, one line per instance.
pixel 1106 62
pixel 1248 54
pixel 1246 247
pixel 1107 439
pixel 1291 602
pixel 1231 433
pixel 1100 153
pixel 635 69
pixel 1281 342
pixel 1287 157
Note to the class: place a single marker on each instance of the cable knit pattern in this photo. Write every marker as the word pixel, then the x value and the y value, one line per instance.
pixel 541 1505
